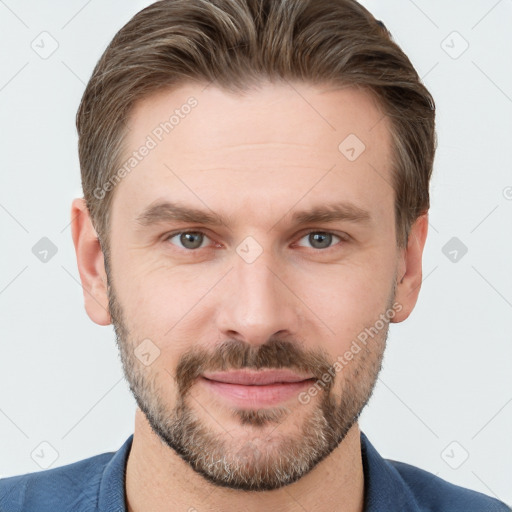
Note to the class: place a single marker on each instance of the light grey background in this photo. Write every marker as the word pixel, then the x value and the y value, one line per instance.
pixel 446 389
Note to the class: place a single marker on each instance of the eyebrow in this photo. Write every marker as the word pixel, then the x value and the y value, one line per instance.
pixel 166 211
pixel 331 213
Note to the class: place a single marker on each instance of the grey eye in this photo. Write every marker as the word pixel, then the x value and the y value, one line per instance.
pixel 189 239
pixel 320 239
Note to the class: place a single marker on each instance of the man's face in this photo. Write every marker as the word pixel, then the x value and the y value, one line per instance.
pixel 264 289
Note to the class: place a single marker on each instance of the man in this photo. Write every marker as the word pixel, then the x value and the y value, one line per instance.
pixel 256 179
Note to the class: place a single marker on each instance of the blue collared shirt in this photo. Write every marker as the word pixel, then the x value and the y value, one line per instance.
pixel 98 484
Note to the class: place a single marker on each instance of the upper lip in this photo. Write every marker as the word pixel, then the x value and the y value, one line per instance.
pixel 256 378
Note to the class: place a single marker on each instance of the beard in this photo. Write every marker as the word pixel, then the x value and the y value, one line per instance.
pixel 258 460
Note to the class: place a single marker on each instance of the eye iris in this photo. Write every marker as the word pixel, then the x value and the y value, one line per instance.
pixel 320 240
pixel 191 240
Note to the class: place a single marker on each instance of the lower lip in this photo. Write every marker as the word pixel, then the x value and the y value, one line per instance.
pixel 256 396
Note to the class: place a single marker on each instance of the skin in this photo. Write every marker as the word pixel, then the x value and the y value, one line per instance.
pixel 255 159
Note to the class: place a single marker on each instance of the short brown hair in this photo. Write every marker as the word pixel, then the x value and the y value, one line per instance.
pixel 239 43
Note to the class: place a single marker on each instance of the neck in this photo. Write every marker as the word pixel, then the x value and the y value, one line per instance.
pixel 157 479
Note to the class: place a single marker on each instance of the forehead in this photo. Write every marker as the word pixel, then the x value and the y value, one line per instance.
pixel 269 144
pixel 268 113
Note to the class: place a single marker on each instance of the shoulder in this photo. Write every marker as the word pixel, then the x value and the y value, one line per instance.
pixel 435 494
pixel 71 487
pixel 391 486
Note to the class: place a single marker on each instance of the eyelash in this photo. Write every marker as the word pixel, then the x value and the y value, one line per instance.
pixel 343 238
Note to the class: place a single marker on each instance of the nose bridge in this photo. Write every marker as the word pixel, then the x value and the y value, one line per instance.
pixel 256 304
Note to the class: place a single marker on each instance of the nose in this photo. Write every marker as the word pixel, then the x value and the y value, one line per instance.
pixel 256 303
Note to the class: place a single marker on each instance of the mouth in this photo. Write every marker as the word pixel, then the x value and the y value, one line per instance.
pixel 256 389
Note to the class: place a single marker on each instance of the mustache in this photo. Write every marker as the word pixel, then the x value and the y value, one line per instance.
pixel 237 355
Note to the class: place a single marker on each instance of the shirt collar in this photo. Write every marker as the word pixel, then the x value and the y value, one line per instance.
pixel 112 487
pixel 384 489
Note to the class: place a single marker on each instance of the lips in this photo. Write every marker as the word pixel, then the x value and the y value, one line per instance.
pixel 257 378
pixel 254 389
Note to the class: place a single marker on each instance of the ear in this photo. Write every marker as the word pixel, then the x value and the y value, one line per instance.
pixel 409 273
pixel 91 264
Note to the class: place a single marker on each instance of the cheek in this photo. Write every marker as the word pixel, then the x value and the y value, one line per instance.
pixel 166 305
pixel 344 299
